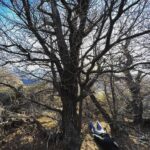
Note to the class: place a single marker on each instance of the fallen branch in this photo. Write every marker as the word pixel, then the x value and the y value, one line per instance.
pixel 43 105
pixel 102 110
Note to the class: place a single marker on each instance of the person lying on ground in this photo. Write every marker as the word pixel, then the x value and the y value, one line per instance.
pixel 102 138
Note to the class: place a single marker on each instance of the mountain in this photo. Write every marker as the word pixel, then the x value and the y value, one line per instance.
pixel 26 78
pixel 28 81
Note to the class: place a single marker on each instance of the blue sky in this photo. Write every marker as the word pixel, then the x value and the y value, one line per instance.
pixel 4 10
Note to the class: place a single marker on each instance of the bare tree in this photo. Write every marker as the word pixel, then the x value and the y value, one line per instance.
pixel 128 55
pixel 133 78
pixel 62 35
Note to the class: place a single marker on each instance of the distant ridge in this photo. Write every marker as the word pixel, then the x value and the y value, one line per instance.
pixel 27 81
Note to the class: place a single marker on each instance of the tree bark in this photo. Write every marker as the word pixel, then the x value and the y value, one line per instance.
pixel 101 109
pixel 137 106
pixel 133 84
pixel 70 125
pixel 105 115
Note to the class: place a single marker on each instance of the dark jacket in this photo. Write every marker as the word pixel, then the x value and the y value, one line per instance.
pixel 105 142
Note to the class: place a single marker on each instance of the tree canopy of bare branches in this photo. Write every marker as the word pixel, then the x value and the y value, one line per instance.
pixel 69 37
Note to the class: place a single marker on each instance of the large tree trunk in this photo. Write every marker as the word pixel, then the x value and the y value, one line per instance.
pixel 137 106
pixel 70 125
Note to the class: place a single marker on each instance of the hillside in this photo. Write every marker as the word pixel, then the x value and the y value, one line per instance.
pixel 34 127
pixel 9 78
